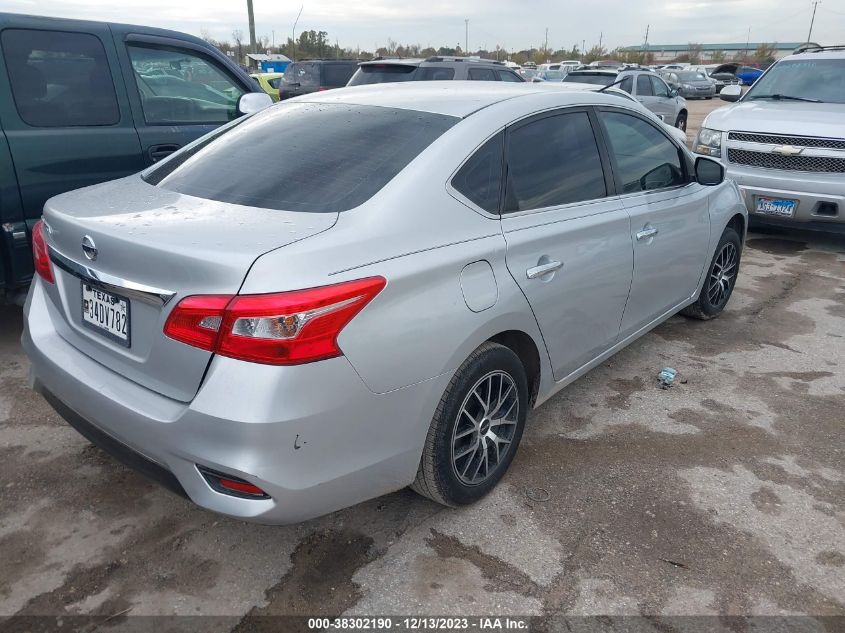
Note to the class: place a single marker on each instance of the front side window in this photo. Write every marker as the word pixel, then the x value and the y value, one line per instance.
pixel 660 88
pixel 482 74
pixel 644 88
pixel 178 86
pixel 480 178
pixel 334 156
pixel 645 158
pixel 59 79
pixel 627 85
pixel 553 161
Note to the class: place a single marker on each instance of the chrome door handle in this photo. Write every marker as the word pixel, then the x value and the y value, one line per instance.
pixel 646 232
pixel 542 269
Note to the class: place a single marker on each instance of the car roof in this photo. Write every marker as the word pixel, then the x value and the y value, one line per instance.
pixel 453 98
pixel 831 54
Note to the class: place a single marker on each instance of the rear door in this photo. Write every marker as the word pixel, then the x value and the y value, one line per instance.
pixel 66 119
pixel 645 91
pixel 568 236
pixel 670 220
pixel 178 91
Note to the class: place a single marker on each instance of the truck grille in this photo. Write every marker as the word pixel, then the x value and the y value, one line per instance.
pixel 768 160
pixel 798 141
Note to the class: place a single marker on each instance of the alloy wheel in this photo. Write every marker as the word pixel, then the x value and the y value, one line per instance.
pixel 485 428
pixel 722 275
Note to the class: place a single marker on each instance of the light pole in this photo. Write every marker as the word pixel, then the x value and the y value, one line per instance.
pixel 466 36
pixel 293 31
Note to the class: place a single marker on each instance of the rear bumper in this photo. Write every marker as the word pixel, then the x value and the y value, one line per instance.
pixel 313 436
pixel 820 197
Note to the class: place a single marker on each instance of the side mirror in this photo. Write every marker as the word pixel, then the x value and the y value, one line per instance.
pixel 674 92
pixel 731 93
pixel 708 171
pixel 252 102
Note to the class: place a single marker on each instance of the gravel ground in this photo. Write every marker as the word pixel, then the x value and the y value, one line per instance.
pixel 721 495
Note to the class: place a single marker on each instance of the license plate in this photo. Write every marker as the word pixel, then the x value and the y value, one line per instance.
pixel 106 314
pixel 776 206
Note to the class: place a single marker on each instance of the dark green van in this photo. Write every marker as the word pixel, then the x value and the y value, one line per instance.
pixel 83 102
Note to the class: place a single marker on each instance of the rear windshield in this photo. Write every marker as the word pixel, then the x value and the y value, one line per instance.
pixel 382 73
pixel 598 80
pixel 310 157
pixel 338 75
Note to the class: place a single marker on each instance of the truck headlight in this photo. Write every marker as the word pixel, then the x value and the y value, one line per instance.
pixel 708 142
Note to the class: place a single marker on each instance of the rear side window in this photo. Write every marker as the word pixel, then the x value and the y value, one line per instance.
pixel 382 73
pixel 482 74
pixel 59 79
pixel 644 86
pixel 338 75
pixel 334 156
pixel 645 158
pixel 303 74
pixel 627 85
pixel 553 161
pixel 480 178
pixel 432 73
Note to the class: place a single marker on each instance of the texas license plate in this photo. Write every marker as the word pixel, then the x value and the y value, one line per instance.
pixel 106 313
pixel 776 206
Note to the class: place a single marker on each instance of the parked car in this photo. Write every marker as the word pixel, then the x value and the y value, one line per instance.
pixel 724 79
pixel 315 75
pixel 591 76
pixel 425 305
pixel 783 141
pixel 653 92
pixel 746 75
pixel 692 84
pixel 269 83
pixel 83 102
pixel 432 69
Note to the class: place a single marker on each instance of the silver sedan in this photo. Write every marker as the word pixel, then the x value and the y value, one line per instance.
pixel 369 288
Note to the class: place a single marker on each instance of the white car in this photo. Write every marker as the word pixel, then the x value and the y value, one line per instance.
pixel 783 141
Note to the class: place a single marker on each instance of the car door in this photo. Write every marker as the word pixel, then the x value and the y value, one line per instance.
pixel 567 234
pixel 178 91
pixel 664 102
pixel 670 220
pixel 66 119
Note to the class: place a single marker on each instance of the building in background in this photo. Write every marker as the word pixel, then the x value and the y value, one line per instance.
pixel 664 53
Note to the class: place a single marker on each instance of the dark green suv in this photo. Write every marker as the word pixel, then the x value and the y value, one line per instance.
pixel 84 102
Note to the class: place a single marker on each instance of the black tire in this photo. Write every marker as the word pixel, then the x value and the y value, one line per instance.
pixel 681 122
pixel 712 301
pixel 437 476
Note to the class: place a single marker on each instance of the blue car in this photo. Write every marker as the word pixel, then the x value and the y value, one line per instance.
pixel 746 74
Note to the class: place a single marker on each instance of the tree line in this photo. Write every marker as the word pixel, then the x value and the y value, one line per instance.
pixel 317 44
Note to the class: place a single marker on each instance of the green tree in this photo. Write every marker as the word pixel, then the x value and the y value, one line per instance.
pixel 695 52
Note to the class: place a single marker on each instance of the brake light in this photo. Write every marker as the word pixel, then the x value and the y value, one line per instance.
pixel 286 328
pixel 40 254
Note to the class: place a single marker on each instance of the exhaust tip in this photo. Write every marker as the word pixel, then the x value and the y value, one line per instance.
pixel 231 485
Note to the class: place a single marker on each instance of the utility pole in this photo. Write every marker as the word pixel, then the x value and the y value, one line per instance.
pixel 273 31
pixel 251 13
pixel 745 52
pixel 601 37
pixel 645 41
pixel 812 20
pixel 466 36
pixel 293 31
pixel 546 45
pixel 583 50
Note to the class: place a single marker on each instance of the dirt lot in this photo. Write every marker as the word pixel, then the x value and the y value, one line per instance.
pixel 724 494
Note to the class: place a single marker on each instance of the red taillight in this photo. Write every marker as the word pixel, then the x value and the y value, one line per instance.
pixel 242 486
pixel 40 254
pixel 287 328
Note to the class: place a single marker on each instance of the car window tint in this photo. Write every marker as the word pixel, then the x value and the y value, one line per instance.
pixel 506 75
pixel 482 74
pixel 306 75
pixel 59 79
pixel 644 86
pixel 480 178
pixel 274 82
pixel 660 88
pixel 431 73
pixel 178 86
pixel 337 75
pixel 334 156
pixel 382 73
pixel 627 85
pixel 645 158
pixel 553 161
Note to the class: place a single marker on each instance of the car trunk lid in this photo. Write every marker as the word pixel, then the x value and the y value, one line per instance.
pixel 153 248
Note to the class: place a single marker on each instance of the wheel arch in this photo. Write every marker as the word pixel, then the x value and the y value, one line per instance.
pixel 521 344
pixel 738 224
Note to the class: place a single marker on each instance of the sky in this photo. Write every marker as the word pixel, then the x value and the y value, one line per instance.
pixel 367 24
